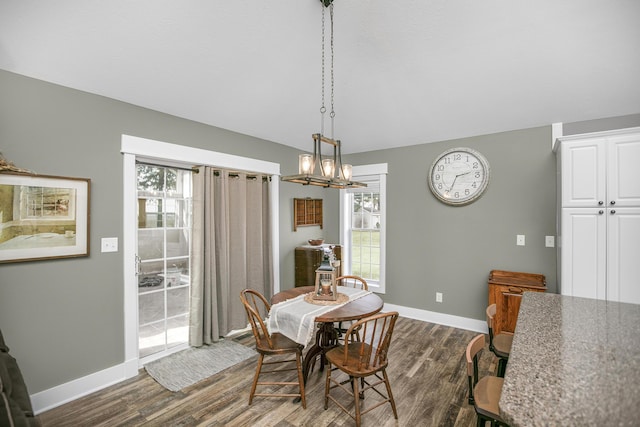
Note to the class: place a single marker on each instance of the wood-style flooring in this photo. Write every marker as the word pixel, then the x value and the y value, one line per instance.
pixel 426 369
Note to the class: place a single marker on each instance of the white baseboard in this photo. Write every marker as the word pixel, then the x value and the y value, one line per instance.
pixel 67 392
pixel 64 393
pixel 439 318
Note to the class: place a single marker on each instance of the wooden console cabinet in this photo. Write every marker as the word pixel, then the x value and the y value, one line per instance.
pixel 308 259
pixel 505 290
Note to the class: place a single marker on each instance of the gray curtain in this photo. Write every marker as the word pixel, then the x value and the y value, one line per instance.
pixel 231 250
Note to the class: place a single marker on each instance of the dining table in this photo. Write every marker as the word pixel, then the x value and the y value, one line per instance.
pixel 326 335
pixel 573 362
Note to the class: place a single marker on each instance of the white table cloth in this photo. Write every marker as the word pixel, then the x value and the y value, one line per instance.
pixel 295 318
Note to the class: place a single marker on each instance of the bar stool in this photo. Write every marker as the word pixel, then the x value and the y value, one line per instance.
pixel 484 393
pixel 499 344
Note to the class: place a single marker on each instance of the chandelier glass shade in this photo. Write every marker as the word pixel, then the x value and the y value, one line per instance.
pixel 324 170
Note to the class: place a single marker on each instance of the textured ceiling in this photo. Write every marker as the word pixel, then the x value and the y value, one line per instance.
pixel 406 72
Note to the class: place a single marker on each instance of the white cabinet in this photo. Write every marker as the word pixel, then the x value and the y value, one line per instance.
pixel 600 171
pixel 623 252
pixel 599 221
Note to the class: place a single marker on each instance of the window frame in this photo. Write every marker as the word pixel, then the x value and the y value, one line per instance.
pixel 374 174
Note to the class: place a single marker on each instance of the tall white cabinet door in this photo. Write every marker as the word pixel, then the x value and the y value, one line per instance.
pixel 623 255
pixel 623 180
pixel 584 173
pixel 583 253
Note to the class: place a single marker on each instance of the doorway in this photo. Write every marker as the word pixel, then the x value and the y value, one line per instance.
pixel 136 150
pixel 163 258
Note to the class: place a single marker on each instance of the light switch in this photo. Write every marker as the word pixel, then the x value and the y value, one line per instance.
pixel 109 244
pixel 549 241
pixel 520 240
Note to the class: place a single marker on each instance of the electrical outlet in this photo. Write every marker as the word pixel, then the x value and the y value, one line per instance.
pixel 549 241
pixel 520 240
pixel 438 296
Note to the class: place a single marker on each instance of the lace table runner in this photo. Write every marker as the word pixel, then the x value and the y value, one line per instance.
pixel 295 318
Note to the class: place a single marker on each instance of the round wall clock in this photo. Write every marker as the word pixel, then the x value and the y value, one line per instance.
pixel 459 176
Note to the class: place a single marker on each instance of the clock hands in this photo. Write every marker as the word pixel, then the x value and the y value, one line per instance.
pixel 454 180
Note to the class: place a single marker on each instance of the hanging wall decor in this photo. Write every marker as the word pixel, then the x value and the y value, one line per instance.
pixel 43 217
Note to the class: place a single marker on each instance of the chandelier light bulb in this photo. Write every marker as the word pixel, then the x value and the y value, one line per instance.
pixel 347 172
pixel 328 166
pixel 305 164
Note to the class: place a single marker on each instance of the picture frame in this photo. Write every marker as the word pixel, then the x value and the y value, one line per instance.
pixel 43 217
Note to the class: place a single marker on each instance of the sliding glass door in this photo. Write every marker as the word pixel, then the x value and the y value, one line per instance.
pixel 163 258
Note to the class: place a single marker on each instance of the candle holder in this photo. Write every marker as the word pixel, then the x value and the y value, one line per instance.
pixel 326 286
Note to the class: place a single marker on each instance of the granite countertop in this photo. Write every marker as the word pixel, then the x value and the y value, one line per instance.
pixel 574 362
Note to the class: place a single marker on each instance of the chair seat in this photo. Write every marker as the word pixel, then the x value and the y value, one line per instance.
pixel 502 345
pixel 487 394
pixel 354 367
pixel 281 344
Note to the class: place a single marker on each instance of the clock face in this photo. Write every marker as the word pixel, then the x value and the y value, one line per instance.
pixel 459 176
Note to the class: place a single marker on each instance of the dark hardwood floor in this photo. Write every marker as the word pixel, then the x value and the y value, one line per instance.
pixel 426 370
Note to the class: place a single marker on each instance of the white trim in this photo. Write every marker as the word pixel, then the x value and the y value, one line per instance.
pixel 598 134
pixel 135 148
pixel 378 172
pixel 439 318
pixel 374 169
pixel 556 132
pixel 64 393
pixel 129 195
pixel 157 150
pixel 67 392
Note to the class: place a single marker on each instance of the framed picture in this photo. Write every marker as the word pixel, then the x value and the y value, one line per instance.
pixel 43 217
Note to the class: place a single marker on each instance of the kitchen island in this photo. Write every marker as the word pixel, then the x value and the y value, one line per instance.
pixel 574 362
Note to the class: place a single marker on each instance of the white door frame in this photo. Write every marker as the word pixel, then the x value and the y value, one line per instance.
pixel 135 148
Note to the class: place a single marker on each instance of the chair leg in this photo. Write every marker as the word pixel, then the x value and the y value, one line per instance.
pixel 301 380
pixel 356 396
pixel 502 367
pixel 255 378
pixel 327 385
pixel 389 393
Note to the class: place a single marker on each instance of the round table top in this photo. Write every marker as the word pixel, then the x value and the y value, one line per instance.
pixel 353 310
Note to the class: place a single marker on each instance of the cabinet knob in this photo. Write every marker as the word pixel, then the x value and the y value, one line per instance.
pixel 613 211
pixel 600 212
pixel 600 202
pixel 613 202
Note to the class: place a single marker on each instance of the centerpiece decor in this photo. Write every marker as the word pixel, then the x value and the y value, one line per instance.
pixel 326 286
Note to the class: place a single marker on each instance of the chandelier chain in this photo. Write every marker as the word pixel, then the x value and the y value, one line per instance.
pixel 333 111
pixel 322 107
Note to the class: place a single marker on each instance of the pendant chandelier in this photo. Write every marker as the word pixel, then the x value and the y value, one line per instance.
pixel 325 170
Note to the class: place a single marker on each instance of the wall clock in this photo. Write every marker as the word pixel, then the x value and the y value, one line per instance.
pixel 459 176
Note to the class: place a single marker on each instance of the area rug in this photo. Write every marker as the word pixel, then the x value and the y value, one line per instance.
pixel 187 367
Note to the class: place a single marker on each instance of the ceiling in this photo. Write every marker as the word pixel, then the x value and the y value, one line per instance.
pixel 406 72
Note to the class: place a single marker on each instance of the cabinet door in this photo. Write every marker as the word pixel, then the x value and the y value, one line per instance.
pixel 510 298
pixel 623 244
pixel 584 253
pixel 623 170
pixel 583 173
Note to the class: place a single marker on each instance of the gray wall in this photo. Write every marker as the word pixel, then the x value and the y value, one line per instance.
pixel 432 247
pixel 599 125
pixel 63 319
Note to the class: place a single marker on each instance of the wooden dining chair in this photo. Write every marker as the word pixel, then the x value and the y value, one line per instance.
pixel 358 360
pixel 350 281
pixel 499 344
pixel 257 308
pixel 484 393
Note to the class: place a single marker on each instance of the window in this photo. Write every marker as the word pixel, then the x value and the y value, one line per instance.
pixel 362 226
